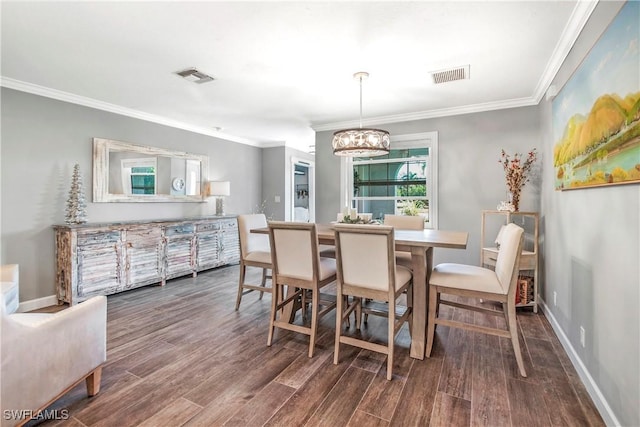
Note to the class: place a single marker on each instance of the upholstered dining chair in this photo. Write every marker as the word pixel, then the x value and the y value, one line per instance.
pixel 298 265
pixel 499 285
pixel 44 355
pixel 404 222
pixel 367 270
pixel 254 252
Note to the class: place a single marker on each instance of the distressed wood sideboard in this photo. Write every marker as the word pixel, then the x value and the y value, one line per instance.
pixel 106 258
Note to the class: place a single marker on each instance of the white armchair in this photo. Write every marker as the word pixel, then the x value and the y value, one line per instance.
pixel 44 355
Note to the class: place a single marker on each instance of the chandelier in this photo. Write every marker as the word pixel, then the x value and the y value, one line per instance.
pixel 361 141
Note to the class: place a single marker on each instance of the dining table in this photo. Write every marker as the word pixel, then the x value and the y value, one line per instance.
pixel 420 243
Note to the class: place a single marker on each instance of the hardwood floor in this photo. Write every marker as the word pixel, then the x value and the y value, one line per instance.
pixel 180 355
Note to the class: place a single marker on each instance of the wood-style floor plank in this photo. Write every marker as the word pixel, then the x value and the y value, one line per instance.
pixel 181 355
pixel 450 411
pixel 335 410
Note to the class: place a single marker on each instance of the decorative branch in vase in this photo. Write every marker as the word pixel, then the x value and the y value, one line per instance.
pixel 516 171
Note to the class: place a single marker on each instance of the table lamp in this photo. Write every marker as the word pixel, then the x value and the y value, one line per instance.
pixel 219 190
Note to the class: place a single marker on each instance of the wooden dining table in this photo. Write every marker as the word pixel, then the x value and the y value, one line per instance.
pixel 420 244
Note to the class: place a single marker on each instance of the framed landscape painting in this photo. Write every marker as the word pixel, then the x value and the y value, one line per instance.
pixel 596 115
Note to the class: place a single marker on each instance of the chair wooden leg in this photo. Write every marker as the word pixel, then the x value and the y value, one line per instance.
pixel 431 322
pixel 93 381
pixel 345 299
pixel 263 282
pixel 274 307
pixel 243 271
pixel 513 330
pixel 340 300
pixel 315 307
pixel 410 307
pixel 391 323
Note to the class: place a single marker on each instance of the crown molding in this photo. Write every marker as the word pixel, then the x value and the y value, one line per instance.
pixel 578 19
pixel 430 114
pixel 112 108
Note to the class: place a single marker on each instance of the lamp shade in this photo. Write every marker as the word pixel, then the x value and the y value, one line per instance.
pixel 361 142
pixel 219 188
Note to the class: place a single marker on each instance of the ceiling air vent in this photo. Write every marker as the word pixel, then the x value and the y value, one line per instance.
pixel 450 75
pixel 194 75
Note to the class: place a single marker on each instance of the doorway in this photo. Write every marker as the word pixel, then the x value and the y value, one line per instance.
pixel 302 190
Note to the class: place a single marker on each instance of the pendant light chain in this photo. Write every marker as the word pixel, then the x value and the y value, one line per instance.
pixel 360 101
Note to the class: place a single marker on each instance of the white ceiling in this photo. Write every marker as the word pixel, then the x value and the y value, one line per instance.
pixel 283 69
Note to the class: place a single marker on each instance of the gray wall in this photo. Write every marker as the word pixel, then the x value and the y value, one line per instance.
pixel 273 182
pixel 591 253
pixel 276 180
pixel 41 141
pixel 470 177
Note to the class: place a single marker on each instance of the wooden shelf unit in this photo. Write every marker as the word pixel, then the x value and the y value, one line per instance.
pixel 529 260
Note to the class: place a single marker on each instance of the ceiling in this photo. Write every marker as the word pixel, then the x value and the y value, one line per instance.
pixel 285 69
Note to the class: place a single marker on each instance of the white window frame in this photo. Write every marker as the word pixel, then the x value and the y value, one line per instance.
pixel 128 164
pixel 416 140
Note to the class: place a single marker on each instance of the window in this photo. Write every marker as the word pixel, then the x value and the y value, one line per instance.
pixel 402 182
pixel 143 180
pixel 139 176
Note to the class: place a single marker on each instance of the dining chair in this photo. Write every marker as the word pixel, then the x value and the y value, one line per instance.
pixel 404 222
pixel 254 252
pixel 367 270
pixel 499 285
pixel 298 265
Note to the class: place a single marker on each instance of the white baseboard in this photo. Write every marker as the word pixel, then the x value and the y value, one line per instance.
pixel 37 303
pixel 592 388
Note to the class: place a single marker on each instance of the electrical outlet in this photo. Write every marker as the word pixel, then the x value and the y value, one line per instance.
pixel 276 199
pixel 582 336
pixel 555 298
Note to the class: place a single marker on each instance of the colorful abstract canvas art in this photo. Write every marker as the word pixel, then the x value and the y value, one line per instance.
pixel 596 115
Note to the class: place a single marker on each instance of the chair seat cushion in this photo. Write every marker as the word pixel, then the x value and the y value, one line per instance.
pixel 327 267
pixel 403 275
pixel 259 256
pixel 468 277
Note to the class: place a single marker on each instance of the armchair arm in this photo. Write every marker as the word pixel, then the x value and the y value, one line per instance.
pixel 44 354
pixel 9 288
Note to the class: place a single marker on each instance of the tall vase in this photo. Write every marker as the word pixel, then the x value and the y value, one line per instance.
pixel 514 199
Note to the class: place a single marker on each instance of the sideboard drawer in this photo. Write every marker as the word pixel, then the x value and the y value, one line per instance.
pixel 179 230
pixel 209 226
pixel 98 237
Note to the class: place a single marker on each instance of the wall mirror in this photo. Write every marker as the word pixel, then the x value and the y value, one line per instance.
pixel 124 172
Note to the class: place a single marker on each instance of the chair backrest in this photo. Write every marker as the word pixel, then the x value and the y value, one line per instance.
pixel 365 256
pixel 405 222
pixel 509 256
pixel 252 242
pixel 294 250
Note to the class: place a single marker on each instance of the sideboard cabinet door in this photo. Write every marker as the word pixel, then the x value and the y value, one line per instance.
pixel 143 255
pixel 99 263
pixel 180 250
pixel 229 242
pixel 208 245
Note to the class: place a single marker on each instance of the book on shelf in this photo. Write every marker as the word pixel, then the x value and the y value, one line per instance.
pixel 526 290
